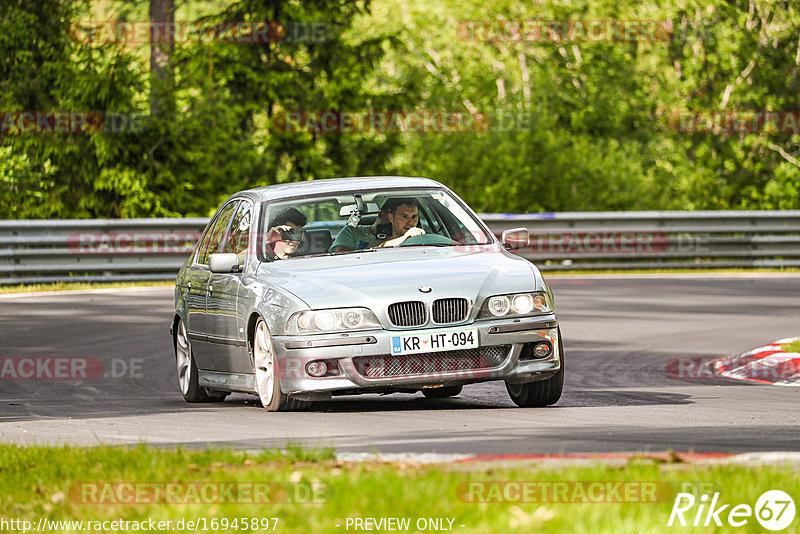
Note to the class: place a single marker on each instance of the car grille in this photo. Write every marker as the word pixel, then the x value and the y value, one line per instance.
pixel 407 313
pixel 447 311
pixel 431 363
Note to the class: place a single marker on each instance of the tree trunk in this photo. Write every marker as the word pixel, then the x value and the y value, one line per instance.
pixel 162 45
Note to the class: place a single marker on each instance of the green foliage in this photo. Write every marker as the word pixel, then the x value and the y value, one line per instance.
pixel 595 129
pixel 600 133
pixel 43 69
pixel 249 84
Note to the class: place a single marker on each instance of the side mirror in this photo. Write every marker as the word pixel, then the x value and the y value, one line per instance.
pixel 223 263
pixel 516 238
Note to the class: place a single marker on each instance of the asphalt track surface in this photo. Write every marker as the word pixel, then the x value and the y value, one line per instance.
pixel 619 333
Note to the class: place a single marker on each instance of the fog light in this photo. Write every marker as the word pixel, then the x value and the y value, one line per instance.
pixel 316 368
pixel 542 350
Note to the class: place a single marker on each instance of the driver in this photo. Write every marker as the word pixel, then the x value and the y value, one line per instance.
pixel 403 214
pixel 361 237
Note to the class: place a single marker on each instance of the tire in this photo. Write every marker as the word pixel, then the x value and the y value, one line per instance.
pixel 187 369
pixel 267 372
pixel 442 393
pixel 543 392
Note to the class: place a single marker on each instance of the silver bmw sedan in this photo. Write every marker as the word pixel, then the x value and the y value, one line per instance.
pixel 301 291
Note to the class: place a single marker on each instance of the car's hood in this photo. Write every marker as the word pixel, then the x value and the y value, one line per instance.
pixel 383 276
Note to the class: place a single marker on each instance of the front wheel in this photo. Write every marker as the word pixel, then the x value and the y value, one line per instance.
pixel 267 372
pixel 541 393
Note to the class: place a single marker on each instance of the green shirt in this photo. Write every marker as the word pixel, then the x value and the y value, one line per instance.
pixel 355 238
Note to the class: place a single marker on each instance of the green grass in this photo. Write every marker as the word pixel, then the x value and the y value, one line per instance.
pixel 72 286
pixel 50 482
pixel 793 346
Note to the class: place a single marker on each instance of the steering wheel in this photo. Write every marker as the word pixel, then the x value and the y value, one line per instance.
pixel 428 239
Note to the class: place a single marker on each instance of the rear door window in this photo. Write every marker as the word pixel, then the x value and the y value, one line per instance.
pixel 213 240
pixel 239 235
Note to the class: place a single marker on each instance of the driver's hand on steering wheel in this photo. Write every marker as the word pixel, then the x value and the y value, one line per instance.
pixel 411 232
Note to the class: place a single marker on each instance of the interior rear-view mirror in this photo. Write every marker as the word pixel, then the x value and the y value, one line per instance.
pixel 371 207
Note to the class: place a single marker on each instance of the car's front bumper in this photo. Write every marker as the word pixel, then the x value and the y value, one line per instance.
pixel 347 352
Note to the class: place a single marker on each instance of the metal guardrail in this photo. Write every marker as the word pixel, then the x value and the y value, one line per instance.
pixel 44 251
pixel 153 249
pixel 657 239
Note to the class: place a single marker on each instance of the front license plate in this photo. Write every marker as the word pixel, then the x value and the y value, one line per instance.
pixel 441 340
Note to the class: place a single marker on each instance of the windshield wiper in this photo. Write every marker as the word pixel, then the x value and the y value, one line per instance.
pixel 346 252
pixel 433 245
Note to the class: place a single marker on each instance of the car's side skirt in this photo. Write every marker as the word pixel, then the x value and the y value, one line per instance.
pixel 244 382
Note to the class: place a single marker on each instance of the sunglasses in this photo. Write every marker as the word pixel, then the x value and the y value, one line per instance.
pixel 295 234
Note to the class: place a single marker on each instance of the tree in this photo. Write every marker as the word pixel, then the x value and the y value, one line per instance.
pixel 47 69
pixel 162 46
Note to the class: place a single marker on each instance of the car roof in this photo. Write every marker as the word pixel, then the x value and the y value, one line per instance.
pixel 336 186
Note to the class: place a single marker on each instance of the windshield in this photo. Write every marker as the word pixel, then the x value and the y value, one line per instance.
pixel 366 221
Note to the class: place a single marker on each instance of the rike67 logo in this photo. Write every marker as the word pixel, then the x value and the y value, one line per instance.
pixel 774 510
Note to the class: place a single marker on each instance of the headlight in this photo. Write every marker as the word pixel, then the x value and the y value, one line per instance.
pixel 353 318
pixel 324 320
pixel 523 303
pixel 499 306
pixel 335 320
pixel 515 304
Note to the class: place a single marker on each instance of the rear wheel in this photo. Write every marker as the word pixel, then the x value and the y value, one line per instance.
pixel 541 393
pixel 442 393
pixel 267 372
pixel 187 370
